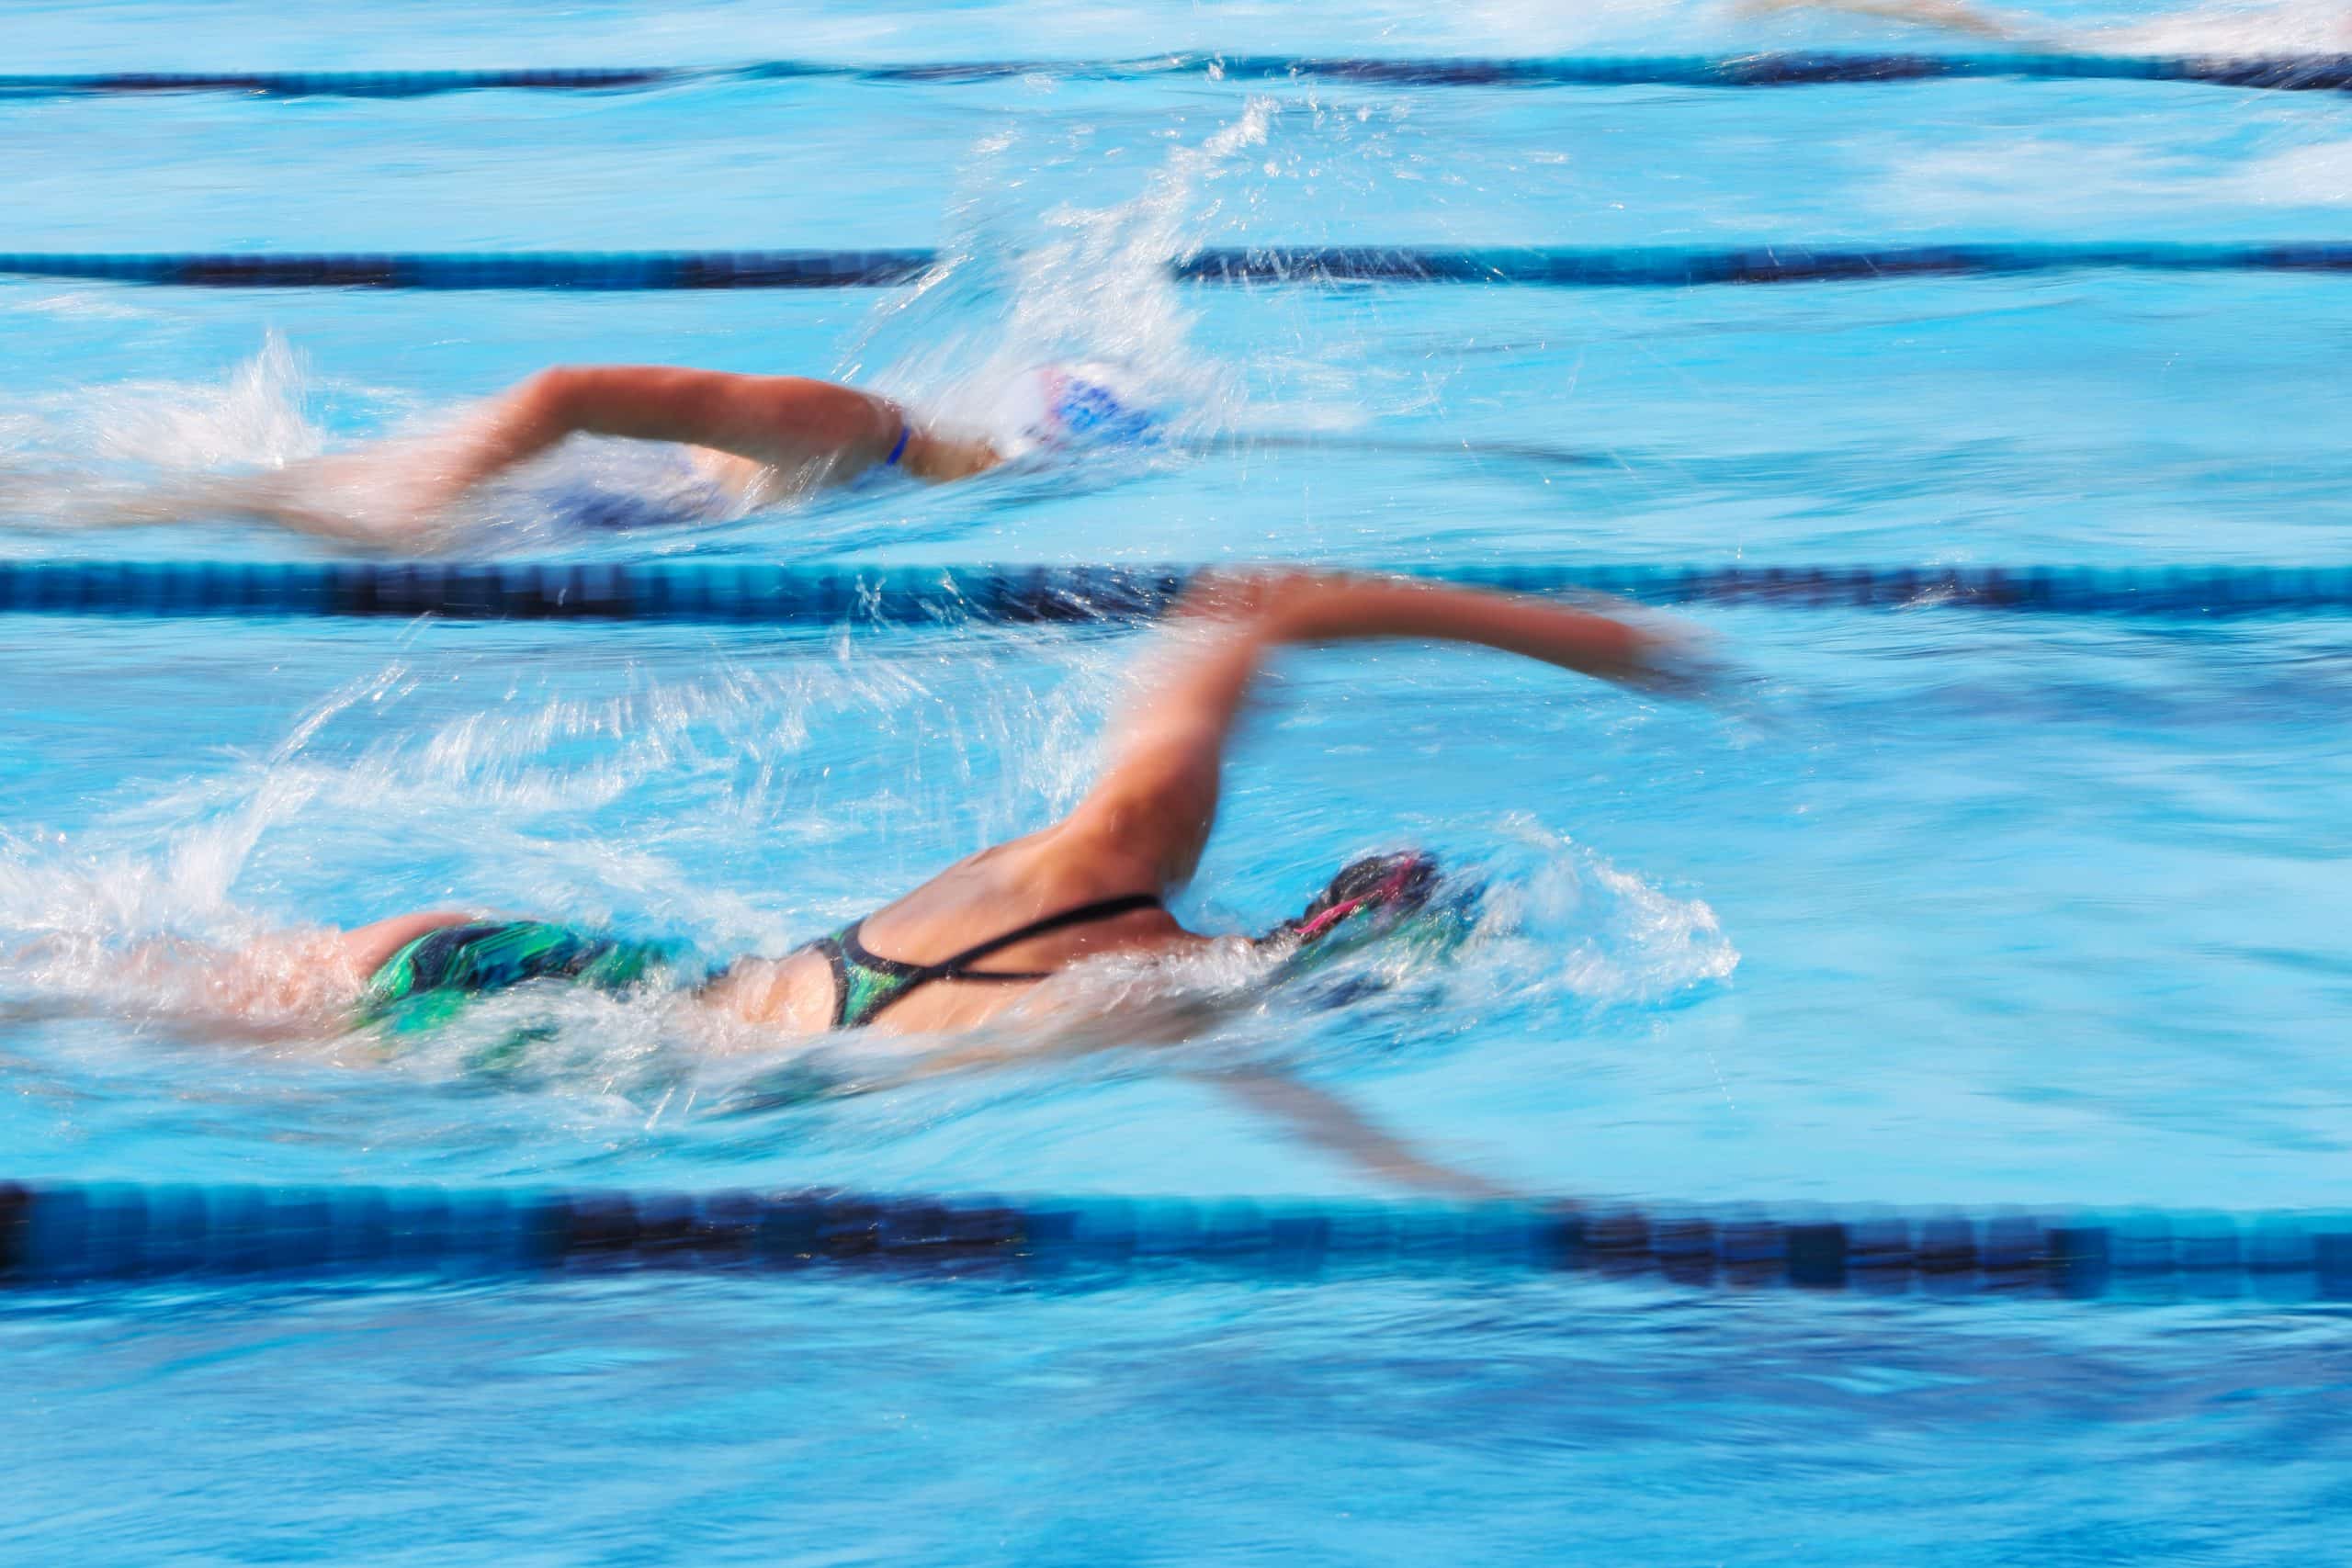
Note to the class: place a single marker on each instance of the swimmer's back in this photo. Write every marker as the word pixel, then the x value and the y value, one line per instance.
pixel 999 890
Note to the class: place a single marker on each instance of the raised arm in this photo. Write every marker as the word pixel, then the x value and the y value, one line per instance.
pixel 393 495
pixel 1157 800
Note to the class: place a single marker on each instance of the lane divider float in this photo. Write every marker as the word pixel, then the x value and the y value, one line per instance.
pixel 777 596
pixel 2290 72
pixel 1534 267
pixel 74 1234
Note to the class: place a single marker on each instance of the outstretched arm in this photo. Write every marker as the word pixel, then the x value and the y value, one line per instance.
pixel 1157 800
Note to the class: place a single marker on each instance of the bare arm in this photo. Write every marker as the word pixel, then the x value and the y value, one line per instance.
pixel 779 420
pixel 1315 1116
pixel 1331 1123
pixel 391 495
pixel 1157 800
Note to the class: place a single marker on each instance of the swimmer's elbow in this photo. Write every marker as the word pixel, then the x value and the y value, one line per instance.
pixel 1148 835
pixel 552 400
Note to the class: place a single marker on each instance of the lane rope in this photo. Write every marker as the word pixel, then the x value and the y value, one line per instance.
pixel 1554 267
pixel 775 596
pixel 2291 73
pixel 56 1233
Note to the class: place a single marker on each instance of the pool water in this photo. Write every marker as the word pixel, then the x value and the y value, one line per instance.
pixel 1935 907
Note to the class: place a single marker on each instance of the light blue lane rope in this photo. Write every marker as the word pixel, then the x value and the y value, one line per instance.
pixel 1553 267
pixel 79 1234
pixel 2325 72
pixel 819 595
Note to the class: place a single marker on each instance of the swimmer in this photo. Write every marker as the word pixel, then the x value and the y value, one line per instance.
pixel 1045 944
pixel 733 443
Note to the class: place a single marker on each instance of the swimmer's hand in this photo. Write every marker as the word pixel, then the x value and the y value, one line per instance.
pixel 1595 636
pixel 1672 659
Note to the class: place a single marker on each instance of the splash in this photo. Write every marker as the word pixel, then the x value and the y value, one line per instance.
pixel 250 444
pixel 1634 943
pixel 260 416
pixel 1528 925
pixel 609 810
pixel 1079 283
pixel 1558 921
pixel 2225 27
pixel 77 458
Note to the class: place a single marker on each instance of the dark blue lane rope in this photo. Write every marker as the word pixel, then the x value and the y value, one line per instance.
pixel 1538 265
pixel 606 270
pixel 338 84
pixel 1677 267
pixel 2322 72
pixel 824 596
pixel 84 1233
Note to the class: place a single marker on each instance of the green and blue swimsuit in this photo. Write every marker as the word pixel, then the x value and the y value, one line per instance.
pixel 431 979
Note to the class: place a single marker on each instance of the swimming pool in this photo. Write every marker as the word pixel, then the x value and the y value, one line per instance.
pixel 1940 909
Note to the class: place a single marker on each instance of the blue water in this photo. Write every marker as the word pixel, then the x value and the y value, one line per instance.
pixel 1936 909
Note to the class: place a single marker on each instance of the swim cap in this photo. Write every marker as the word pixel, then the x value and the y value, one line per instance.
pixel 1071 404
pixel 1381 887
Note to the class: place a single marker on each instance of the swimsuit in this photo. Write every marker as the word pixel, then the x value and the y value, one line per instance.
pixel 864 983
pixel 663 490
pixel 428 980
pixel 431 979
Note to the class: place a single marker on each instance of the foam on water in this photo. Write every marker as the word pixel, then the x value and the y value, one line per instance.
pixel 67 457
pixel 2223 28
pixel 1017 289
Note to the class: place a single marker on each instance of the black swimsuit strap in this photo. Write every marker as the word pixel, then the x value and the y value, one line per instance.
pixel 844 952
pixel 846 944
pixel 958 968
